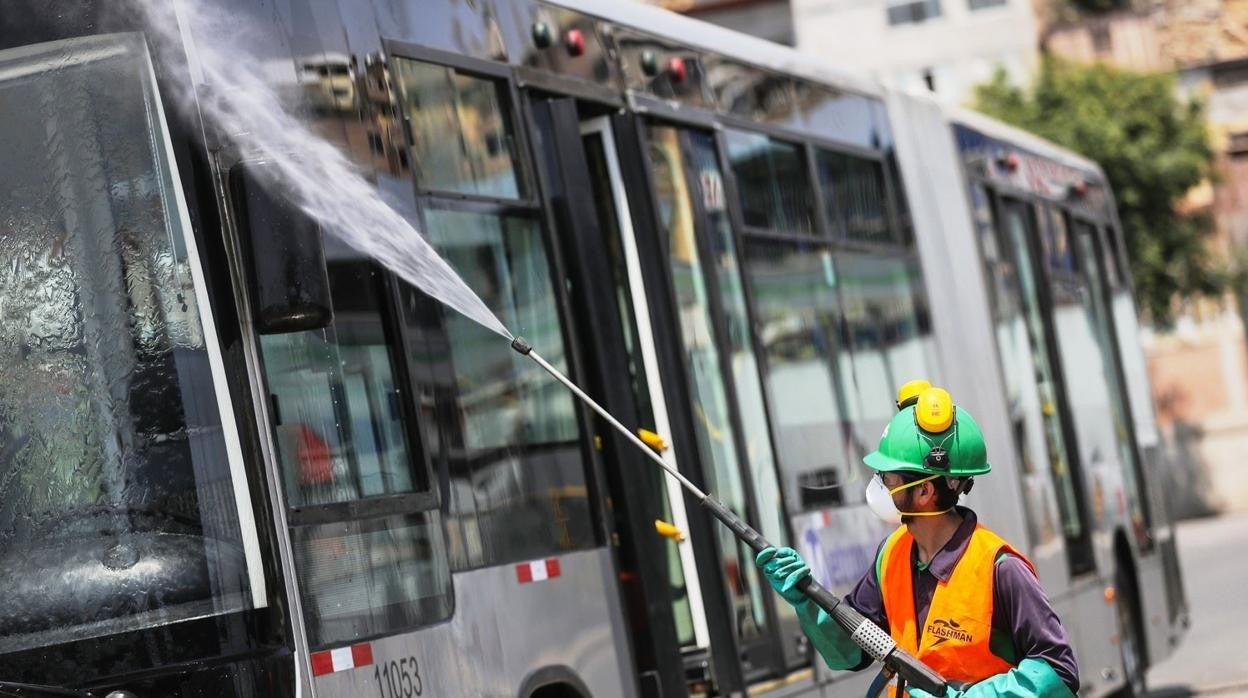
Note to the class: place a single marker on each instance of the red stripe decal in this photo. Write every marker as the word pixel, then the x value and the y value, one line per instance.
pixel 552 568
pixel 524 573
pixel 362 655
pixel 322 663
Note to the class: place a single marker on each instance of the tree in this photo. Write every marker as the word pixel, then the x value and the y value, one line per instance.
pixel 1153 148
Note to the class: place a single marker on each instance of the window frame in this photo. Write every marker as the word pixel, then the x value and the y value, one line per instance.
pixel 393 504
pixel 529 205
pixel 501 75
pixel 1079 554
pixel 909 19
pixel 829 234
pixel 733 189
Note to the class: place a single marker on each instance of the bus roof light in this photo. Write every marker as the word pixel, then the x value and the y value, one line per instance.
pixel 649 63
pixel 574 40
pixel 541 35
pixel 677 69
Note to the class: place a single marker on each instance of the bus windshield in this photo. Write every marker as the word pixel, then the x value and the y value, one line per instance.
pixel 122 504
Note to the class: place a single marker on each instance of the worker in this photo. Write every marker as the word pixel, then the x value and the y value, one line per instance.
pixel 946 588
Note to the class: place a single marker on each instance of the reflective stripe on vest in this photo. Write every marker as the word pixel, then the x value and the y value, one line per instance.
pixel 955 641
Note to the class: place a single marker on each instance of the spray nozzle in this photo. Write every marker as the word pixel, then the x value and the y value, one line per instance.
pixel 521 345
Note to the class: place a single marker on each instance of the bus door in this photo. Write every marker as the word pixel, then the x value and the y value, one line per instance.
pixel 1028 353
pixel 1058 302
pixel 661 595
pixel 712 386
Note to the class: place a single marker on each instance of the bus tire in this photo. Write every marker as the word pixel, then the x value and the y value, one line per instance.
pixel 1130 628
pixel 554 682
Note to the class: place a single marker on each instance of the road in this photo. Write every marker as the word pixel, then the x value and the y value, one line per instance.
pixel 1212 660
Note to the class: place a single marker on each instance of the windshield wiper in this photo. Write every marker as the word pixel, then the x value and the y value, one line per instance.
pixel 25 690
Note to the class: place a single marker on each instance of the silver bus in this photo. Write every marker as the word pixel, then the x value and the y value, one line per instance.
pixel 238 457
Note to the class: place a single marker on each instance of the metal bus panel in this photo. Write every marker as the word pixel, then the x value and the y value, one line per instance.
pixel 964 336
pixel 508 636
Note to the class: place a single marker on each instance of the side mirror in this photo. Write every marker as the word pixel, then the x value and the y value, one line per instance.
pixel 283 255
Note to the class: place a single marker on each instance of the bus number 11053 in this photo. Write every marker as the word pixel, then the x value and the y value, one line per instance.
pixel 399 679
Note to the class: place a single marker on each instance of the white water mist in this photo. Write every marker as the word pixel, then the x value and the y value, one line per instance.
pixel 318 177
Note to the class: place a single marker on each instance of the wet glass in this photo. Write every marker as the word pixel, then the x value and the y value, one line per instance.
pixel 510 435
pixel 855 195
pixel 361 579
pixel 771 182
pixel 338 422
pixel 480 157
pixel 339 426
pixel 676 182
pixel 119 509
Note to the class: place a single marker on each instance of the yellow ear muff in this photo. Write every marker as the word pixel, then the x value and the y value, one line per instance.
pixel 934 410
pixel 908 394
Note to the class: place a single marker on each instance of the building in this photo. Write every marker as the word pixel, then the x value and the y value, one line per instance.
pixel 946 46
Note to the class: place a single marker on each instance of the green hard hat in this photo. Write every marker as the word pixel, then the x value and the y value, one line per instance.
pixel 904 445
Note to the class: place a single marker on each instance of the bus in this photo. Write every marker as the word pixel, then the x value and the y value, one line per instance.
pixel 239 457
pixel 1066 390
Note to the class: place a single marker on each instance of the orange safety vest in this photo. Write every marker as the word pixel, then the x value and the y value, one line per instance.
pixel 955 641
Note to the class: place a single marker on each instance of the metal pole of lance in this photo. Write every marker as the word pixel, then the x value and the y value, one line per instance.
pixel 867 635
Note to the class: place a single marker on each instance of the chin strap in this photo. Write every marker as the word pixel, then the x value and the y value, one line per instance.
pixel 927 513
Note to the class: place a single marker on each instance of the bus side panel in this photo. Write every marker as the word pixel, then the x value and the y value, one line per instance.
pixel 506 632
pixel 965 337
pixel 1151 574
pixel 1094 636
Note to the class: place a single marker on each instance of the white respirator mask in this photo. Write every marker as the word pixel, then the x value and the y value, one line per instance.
pixel 880 501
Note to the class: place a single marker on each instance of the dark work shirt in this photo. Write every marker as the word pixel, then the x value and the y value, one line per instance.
pixel 1020 609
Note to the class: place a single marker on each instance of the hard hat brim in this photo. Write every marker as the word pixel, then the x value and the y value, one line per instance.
pixel 886 464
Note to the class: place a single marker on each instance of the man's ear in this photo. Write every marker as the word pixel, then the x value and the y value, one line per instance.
pixel 929 490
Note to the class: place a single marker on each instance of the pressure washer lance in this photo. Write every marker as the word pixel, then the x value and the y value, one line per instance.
pixel 874 641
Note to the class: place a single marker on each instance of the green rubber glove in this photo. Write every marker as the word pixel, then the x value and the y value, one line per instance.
pixel 784 569
pixel 1032 678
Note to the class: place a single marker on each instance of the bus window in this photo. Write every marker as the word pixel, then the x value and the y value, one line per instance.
pixel 772 184
pixel 855 196
pixel 888 332
pixel 480 158
pixel 1099 314
pixel 340 429
pixel 120 459
pixel 795 300
pixel 507 437
pixel 517 487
